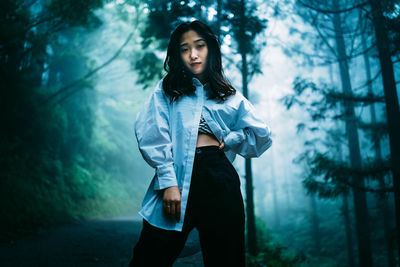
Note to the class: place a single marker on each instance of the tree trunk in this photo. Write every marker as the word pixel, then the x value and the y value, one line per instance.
pixel 392 104
pixel 251 226
pixel 273 187
pixel 288 191
pixel 218 23
pixel 359 197
pixel 384 212
pixel 315 225
pixel 345 209
pixel 349 236
pixel 274 190
pixel 260 207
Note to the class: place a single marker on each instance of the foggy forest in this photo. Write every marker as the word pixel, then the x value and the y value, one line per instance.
pixel 324 75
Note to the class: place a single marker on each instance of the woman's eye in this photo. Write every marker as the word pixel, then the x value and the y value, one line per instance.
pixel 184 50
pixel 200 46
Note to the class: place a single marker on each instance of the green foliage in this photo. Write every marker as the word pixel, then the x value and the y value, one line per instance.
pixel 327 176
pixel 51 171
pixel 271 253
pixel 164 16
pixel 321 101
pixel 74 12
pixel 148 67
pixel 246 28
pixel 392 24
pixel 336 176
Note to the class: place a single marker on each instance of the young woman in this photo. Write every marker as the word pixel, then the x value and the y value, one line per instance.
pixel 190 130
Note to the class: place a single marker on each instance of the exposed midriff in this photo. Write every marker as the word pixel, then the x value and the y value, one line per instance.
pixel 206 140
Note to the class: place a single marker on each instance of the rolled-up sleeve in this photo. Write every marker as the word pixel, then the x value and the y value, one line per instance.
pixel 249 136
pixel 154 140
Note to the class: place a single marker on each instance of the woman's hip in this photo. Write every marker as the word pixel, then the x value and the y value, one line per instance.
pixel 215 183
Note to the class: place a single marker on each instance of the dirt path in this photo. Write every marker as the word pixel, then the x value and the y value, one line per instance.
pixel 92 243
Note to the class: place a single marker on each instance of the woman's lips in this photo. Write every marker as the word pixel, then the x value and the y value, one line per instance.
pixel 195 64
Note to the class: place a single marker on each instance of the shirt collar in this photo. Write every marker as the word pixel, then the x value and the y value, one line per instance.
pixel 196 82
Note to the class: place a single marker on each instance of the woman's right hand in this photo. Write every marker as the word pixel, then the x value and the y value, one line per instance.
pixel 172 202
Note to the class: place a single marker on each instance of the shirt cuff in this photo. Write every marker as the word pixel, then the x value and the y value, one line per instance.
pixel 233 138
pixel 165 177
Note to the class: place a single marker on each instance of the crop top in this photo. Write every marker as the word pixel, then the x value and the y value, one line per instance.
pixel 203 126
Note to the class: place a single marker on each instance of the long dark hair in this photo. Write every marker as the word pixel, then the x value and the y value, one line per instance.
pixel 178 81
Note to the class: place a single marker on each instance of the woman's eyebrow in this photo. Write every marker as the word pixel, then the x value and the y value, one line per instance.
pixel 196 41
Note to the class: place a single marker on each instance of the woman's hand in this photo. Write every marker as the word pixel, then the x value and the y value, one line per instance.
pixel 221 146
pixel 172 202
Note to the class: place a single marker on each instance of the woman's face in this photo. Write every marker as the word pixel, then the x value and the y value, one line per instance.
pixel 194 51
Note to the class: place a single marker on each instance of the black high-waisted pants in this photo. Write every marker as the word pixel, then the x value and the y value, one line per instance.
pixel 215 208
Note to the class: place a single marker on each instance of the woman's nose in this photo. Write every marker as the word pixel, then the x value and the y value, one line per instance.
pixel 193 54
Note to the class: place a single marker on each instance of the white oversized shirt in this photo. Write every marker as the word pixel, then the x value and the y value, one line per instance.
pixel 167 136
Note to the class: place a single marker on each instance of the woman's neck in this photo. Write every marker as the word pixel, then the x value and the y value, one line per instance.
pixel 201 78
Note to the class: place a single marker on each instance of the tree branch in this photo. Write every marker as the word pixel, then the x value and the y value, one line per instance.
pixel 330 11
pixel 322 36
pixel 320 184
pixel 88 75
pixel 369 81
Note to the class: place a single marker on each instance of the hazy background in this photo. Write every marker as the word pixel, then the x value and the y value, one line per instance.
pixel 74 74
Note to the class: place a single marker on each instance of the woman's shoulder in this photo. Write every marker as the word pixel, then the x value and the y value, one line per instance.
pixel 159 85
pixel 240 102
pixel 158 90
pixel 235 98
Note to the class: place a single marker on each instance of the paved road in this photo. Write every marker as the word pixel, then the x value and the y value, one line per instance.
pixel 107 242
